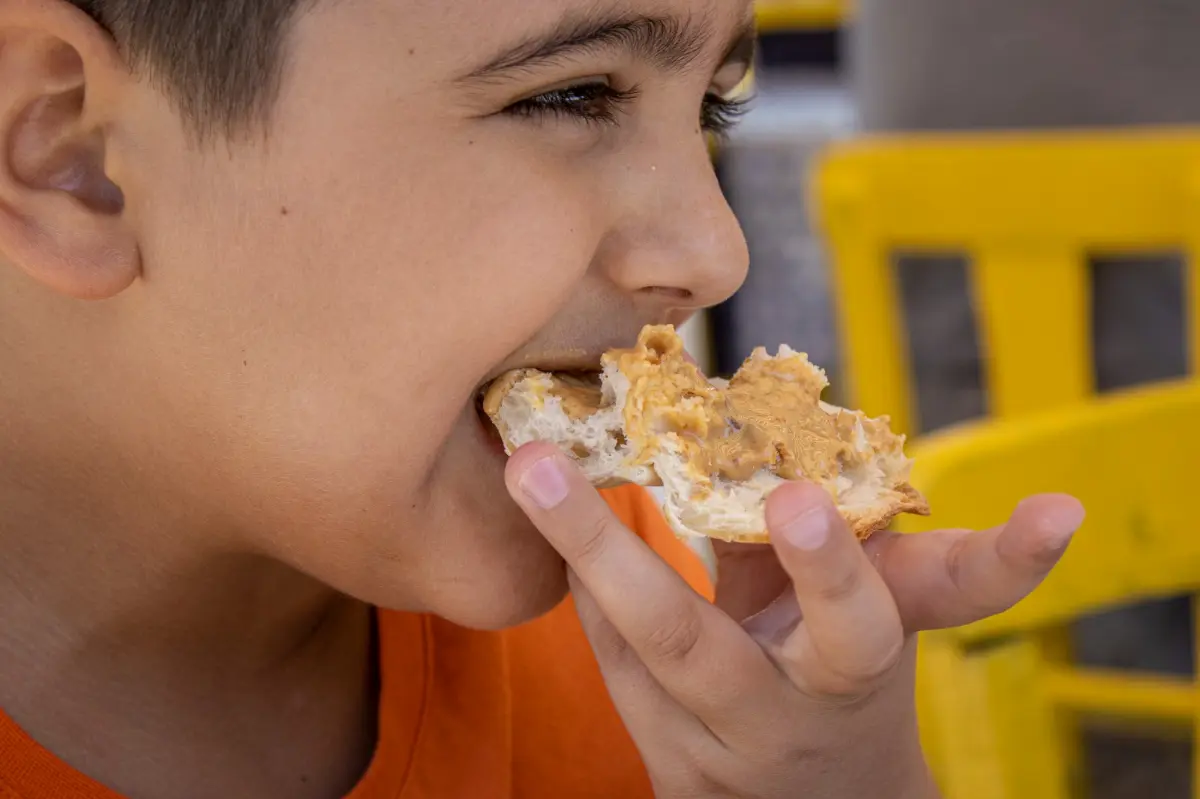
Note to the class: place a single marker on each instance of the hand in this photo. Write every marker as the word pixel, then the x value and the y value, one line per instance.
pixel 812 696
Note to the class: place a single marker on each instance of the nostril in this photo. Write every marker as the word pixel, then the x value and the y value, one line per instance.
pixel 671 293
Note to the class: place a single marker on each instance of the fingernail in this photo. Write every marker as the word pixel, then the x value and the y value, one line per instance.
pixel 1062 522
pixel 545 483
pixel 800 515
pixel 1066 518
pixel 809 530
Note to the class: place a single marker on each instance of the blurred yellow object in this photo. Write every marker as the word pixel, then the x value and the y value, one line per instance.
pixel 993 706
pixel 1027 210
pixel 790 15
pixel 999 700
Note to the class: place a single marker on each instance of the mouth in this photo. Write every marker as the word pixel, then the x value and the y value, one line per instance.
pixel 490 433
pixel 578 366
pixel 584 377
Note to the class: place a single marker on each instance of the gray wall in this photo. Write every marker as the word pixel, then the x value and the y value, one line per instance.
pixel 996 64
pixel 952 64
pixel 1000 64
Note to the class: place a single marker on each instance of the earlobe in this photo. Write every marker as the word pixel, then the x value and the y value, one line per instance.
pixel 61 215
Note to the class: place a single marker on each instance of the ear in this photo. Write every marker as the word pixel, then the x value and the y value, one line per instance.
pixel 61 216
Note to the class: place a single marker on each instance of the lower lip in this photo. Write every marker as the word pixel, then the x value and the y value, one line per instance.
pixel 489 432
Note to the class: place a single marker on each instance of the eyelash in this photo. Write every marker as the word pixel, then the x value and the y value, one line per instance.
pixel 599 103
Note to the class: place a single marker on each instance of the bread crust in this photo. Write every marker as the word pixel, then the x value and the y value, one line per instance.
pixel 718 449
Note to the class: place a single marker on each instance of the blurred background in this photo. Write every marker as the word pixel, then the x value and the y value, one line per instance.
pixel 978 215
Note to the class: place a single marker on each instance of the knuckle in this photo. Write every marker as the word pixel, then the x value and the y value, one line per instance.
pixel 1046 551
pixel 608 642
pixel 694 785
pixel 677 637
pixel 850 680
pixel 841 695
pixel 800 751
pixel 980 598
pixel 874 671
pixel 855 684
pixel 706 771
pixel 956 563
pixel 841 585
pixel 591 540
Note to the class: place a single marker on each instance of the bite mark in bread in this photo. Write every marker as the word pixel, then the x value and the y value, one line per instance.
pixel 718 449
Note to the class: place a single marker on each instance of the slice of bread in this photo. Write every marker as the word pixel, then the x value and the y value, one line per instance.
pixel 718 449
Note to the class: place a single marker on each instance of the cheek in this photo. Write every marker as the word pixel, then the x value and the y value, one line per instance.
pixel 398 278
pixel 323 329
pixel 436 261
pixel 481 253
pixel 311 330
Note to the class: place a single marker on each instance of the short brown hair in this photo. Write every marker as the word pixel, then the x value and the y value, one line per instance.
pixel 219 60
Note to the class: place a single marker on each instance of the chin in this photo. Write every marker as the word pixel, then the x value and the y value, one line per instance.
pixel 481 572
pixel 481 587
pixel 512 606
pixel 464 552
pixel 510 574
pixel 514 577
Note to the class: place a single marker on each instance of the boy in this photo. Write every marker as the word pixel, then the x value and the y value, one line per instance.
pixel 256 261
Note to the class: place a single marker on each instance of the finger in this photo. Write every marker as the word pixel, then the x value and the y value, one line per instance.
pixel 696 652
pixel 956 577
pixel 851 635
pixel 652 717
pixel 749 577
pixel 778 620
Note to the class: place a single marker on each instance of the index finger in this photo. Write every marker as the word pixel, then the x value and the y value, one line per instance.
pixel 689 646
pixel 951 578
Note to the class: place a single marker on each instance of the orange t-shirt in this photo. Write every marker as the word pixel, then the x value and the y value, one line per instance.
pixel 483 715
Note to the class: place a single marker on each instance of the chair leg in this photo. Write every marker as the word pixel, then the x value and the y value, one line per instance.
pixel 994 733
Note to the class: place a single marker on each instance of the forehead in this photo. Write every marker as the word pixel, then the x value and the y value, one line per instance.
pixel 457 34
pixel 533 12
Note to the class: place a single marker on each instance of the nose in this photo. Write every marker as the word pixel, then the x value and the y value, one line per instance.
pixel 675 237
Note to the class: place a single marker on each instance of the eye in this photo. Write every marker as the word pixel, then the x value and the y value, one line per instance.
pixel 719 115
pixel 596 102
pixel 599 102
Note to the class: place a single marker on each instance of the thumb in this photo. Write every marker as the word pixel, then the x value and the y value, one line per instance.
pixel 812 540
pixel 851 626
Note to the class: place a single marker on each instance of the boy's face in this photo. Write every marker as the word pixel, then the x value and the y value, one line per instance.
pixel 295 371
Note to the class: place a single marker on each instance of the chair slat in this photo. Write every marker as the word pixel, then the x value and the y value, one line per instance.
pixel 1033 303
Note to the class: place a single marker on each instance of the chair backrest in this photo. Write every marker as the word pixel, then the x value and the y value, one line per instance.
pixel 996 708
pixel 1027 210
pixel 791 15
pixel 999 700
pixel 1130 457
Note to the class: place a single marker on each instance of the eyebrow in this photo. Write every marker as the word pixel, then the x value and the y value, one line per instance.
pixel 670 43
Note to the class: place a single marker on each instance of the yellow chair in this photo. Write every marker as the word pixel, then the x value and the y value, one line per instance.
pixel 1026 209
pixel 789 15
pixel 992 702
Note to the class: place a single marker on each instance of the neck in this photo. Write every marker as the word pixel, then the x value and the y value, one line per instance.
pixel 140 583
pixel 134 623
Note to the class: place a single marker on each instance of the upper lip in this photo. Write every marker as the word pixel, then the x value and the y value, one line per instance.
pixel 561 361
pixel 564 359
pixel 575 361
pixel 583 358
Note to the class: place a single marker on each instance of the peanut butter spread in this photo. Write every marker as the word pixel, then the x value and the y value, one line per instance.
pixel 768 417
pixel 652 413
pixel 580 395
